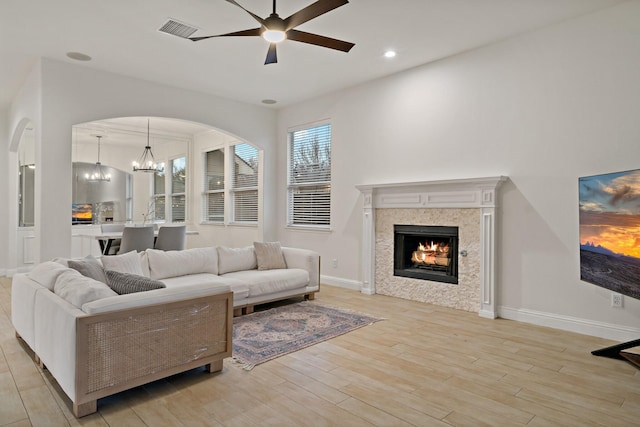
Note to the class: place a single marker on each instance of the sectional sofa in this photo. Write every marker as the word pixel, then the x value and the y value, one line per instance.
pixel 101 326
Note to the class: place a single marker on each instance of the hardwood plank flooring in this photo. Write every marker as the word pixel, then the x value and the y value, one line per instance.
pixel 422 366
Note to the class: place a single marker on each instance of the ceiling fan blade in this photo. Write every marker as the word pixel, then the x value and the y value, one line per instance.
pixel 251 32
pixel 312 11
pixel 272 56
pixel 256 17
pixel 304 37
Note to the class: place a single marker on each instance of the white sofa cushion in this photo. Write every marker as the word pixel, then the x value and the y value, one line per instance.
pixel 269 255
pixel 270 281
pixel 157 296
pixel 78 289
pixel 163 264
pixel 239 288
pixel 236 259
pixel 47 273
pixel 125 263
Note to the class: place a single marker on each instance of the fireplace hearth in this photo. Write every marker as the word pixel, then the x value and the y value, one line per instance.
pixel 426 252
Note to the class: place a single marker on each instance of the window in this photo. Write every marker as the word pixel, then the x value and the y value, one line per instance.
pixel 156 209
pixel 245 183
pixel 178 189
pixel 213 203
pixel 309 176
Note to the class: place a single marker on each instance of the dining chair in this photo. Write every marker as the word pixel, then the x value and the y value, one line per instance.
pixel 136 238
pixel 171 238
pixel 115 243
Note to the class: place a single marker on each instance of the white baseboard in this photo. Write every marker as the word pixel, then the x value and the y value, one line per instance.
pixel 341 283
pixel 556 321
pixel 571 324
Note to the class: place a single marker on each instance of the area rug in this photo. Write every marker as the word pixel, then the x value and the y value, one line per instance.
pixel 272 333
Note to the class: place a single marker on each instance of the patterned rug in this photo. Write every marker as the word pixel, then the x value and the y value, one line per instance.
pixel 268 334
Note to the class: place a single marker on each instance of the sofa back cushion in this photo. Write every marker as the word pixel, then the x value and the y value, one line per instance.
pixel 47 273
pixel 125 263
pixel 165 264
pixel 78 289
pixel 236 259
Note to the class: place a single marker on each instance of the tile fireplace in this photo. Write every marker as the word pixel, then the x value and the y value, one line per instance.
pixel 466 207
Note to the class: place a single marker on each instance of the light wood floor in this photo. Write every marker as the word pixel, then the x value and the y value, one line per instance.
pixel 423 366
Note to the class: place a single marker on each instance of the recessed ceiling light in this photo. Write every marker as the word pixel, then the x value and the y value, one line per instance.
pixel 269 101
pixel 390 54
pixel 78 56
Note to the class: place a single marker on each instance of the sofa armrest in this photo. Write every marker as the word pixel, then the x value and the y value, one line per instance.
pixel 121 349
pixel 306 260
pixel 55 338
pixel 23 300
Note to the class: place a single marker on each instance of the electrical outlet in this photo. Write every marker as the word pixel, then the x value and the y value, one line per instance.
pixel 616 299
pixel 334 263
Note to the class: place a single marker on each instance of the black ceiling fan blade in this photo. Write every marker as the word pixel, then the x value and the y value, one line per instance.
pixel 272 55
pixel 256 17
pixel 304 37
pixel 312 11
pixel 251 32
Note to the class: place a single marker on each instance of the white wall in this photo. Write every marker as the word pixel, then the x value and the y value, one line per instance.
pixel 73 94
pixel 4 189
pixel 544 109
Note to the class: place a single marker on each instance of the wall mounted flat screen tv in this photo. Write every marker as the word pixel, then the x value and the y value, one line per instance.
pixel 82 213
pixel 610 231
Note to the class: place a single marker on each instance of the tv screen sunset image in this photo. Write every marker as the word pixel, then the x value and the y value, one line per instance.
pixel 610 231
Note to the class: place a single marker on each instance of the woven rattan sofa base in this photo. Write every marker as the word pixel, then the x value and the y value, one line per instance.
pixel 122 349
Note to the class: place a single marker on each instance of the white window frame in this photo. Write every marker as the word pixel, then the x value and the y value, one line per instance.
pixel 171 194
pixel 235 190
pixel 204 218
pixel 152 213
pixel 229 189
pixel 317 223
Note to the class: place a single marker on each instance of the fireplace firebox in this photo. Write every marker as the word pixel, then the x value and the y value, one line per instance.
pixel 426 252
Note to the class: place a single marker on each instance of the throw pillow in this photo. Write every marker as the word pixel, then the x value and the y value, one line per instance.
pixel 47 273
pixel 78 289
pixel 236 259
pixel 125 263
pixel 124 283
pixel 269 255
pixel 89 267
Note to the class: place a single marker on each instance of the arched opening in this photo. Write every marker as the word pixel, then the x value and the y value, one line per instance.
pixel 177 193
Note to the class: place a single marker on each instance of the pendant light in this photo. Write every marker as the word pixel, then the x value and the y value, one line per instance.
pixel 147 162
pixel 98 174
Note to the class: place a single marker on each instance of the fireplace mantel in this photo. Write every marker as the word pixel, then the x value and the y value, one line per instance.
pixel 458 193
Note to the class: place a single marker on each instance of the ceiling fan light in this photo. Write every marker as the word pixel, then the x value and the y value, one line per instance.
pixel 274 36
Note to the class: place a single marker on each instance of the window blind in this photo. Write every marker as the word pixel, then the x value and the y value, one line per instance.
pixel 158 201
pixel 309 170
pixel 245 183
pixel 178 186
pixel 213 195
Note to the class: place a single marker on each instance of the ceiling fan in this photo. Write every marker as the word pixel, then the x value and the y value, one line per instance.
pixel 275 29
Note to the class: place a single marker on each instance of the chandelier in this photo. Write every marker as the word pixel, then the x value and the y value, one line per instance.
pixel 147 162
pixel 98 174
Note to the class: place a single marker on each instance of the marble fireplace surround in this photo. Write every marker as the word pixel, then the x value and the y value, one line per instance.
pixel 470 196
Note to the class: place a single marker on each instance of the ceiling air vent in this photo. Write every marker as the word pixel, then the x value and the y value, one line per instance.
pixel 177 28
